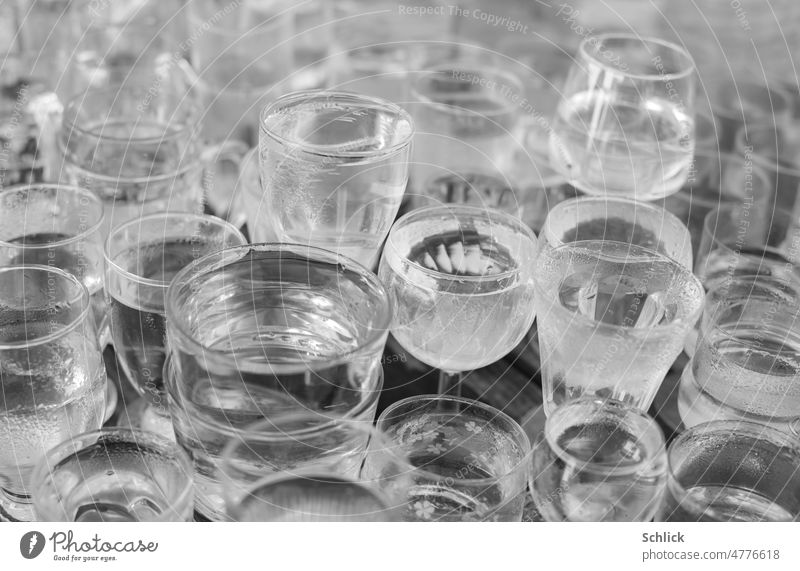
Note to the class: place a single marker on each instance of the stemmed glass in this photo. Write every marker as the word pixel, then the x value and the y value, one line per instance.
pixel 310 467
pixel 265 329
pixel 732 471
pixel 114 475
pixel 141 257
pixel 51 372
pixel 612 318
pixel 470 460
pixel 461 286
pixel 625 125
pixel 619 219
pixel 598 460
pixel 334 168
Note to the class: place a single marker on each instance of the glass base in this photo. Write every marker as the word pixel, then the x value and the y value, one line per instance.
pixel 15 507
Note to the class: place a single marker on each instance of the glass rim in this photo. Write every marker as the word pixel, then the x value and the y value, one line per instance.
pixel 115 92
pixel 214 261
pixel 113 266
pixel 712 221
pixel 722 303
pixel 229 431
pixel 589 47
pixel 112 180
pixel 488 214
pixel 648 430
pixel 43 471
pixel 251 434
pixel 733 429
pixel 516 432
pixel 57 187
pixel 353 100
pixel 686 194
pixel 83 297
pixel 654 208
pixel 645 333
pixel 475 68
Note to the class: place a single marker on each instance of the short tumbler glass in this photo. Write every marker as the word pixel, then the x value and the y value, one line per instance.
pixel 258 330
pixel 470 460
pixel 598 460
pixel 114 475
pixel 732 471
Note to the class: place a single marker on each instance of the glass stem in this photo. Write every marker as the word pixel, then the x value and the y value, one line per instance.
pixel 450 383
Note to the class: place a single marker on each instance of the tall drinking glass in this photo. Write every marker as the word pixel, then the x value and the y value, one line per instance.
pixel 598 460
pixel 141 258
pixel 461 286
pixel 732 471
pixel 746 365
pixel 334 167
pixel 470 460
pixel 618 219
pixel 738 241
pixel 258 330
pixel 303 467
pixel 612 318
pixel 625 125
pixel 114 475
pixel 137 148
pixel 51 372
pixel 466 115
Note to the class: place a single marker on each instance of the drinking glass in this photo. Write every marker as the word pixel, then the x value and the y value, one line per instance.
pixel 732 471
pixel 135 147
pixel 467 114
pixel 618 219
pixel 241 54
pixel 141 258
pixel 51 372
pixel 719 179
pixel 776 149
pixel 59 226
pixel 625 124
pixel 746 364
pixel 470 460
pixel 108 43
pixel 461 286
pixel 334 167
pixel 738 241
pixel 262 329
pixel 598 460
pixel 306 467
pixel 242 59
pixel 612 318
pixel 741 103
pixel 114 475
